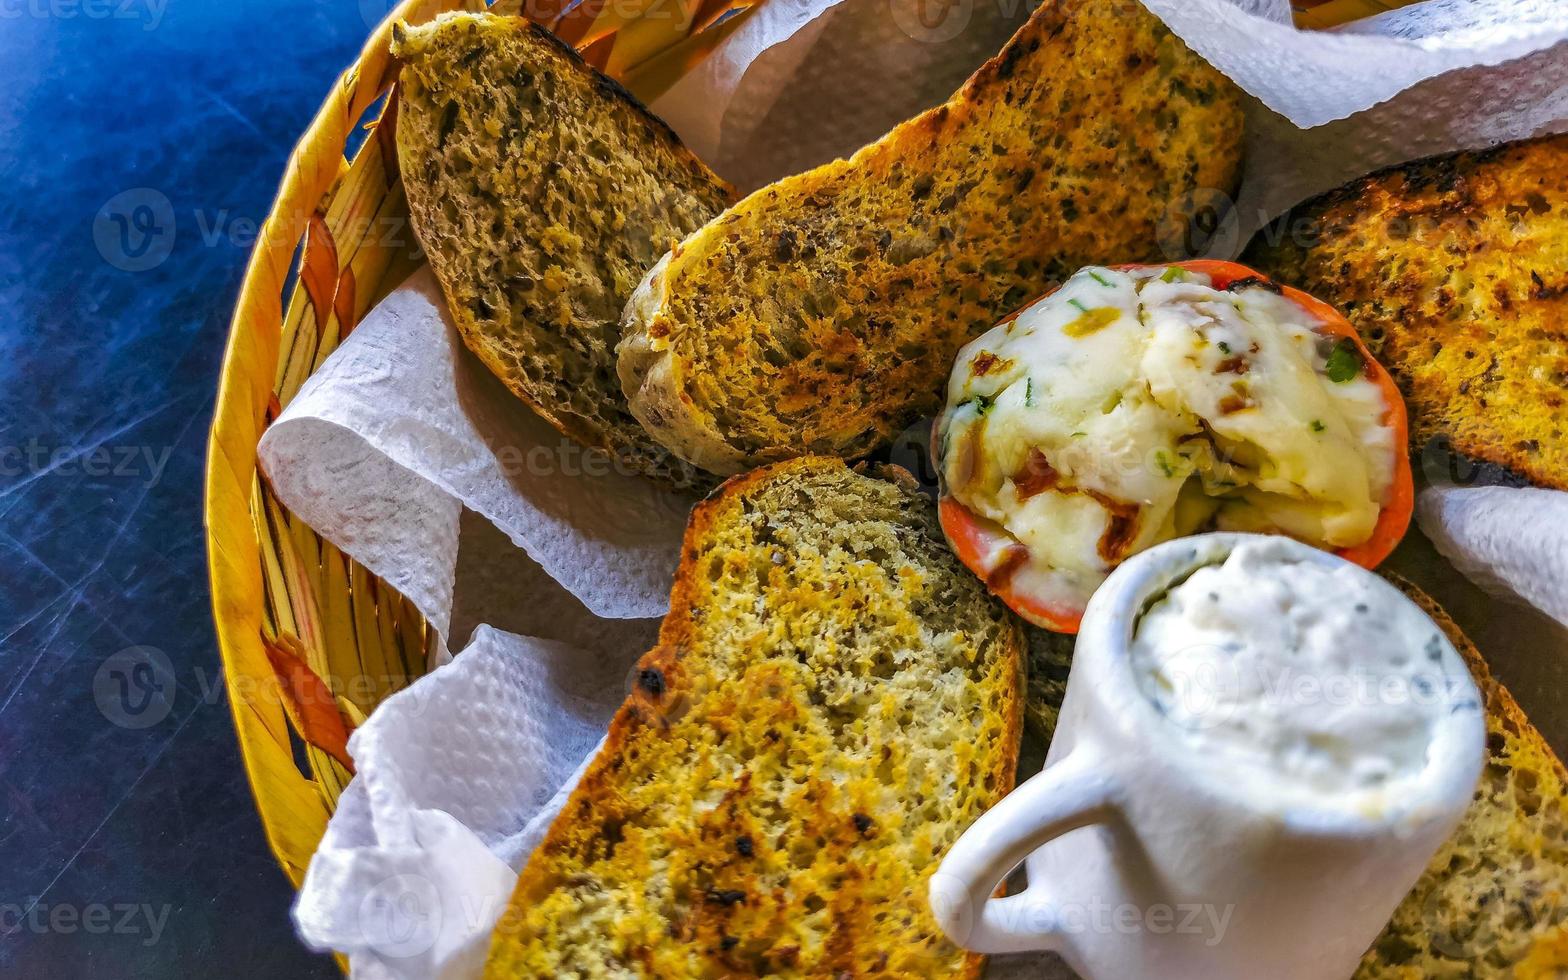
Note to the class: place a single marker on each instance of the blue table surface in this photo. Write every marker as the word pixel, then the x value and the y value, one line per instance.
pixel 141 141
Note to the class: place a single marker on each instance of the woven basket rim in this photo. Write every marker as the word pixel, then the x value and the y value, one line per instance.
pixel 233 554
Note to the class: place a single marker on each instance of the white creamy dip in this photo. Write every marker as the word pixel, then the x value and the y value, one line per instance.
pixel 1315 683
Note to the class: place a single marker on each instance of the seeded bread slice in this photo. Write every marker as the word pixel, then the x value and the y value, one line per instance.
pixel 541 191
pixel 1454 270
pixel 1493 902
pixel 832 701
pixel 821 314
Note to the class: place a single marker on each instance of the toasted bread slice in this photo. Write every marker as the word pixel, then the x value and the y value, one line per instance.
pixel 821 314
pixel 1491 902
pixel 541 191
pixel 833 699
pixel 1455 271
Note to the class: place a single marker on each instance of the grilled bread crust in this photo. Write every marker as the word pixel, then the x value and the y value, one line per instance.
pixel 1455 271
pixel 541 192
pixel 821 314
pixel 1492 900
pixel 832 701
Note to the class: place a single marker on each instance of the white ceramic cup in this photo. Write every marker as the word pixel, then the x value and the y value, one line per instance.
pixel 1171 870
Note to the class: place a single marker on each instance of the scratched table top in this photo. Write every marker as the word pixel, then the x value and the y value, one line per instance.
pixel 141 142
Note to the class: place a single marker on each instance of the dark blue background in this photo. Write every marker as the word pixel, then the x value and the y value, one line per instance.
pixel 182 112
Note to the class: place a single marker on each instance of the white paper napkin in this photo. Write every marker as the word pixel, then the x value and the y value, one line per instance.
pixel 402 428
pixel 458 778
pixel 805 81
pixel 402 432
pixel 1510 541
pixel 1314 77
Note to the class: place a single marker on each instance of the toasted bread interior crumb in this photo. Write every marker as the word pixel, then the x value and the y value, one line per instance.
pixel 832 701
pixel 1455 271
pixel 541 192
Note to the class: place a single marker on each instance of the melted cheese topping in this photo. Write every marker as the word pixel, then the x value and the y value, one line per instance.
pixel 1128 408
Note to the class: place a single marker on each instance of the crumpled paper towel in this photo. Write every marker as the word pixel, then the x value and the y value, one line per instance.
pixel 1316 77
pixel 1510 541
pixel 458 778
pixel 755 108
pixel 402 428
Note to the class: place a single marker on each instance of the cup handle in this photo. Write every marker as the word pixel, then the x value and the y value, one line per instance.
pixel 1074 792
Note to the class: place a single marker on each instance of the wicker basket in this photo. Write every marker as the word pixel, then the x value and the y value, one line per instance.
pixel 312 642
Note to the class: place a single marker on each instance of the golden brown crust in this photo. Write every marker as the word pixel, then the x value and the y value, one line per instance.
pixel 832 700
pixel 1454 270
pixel 821 314
pixel 1491 901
